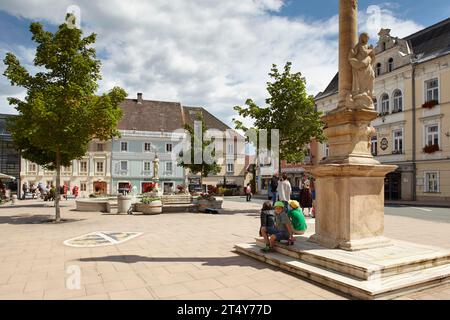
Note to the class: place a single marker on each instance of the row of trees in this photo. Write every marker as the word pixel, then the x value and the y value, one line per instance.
pixel 61 112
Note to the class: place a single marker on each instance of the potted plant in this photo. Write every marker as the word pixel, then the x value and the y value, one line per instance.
pixel 207 200
pixel 432 148
pixel 149 204
pixel 430 104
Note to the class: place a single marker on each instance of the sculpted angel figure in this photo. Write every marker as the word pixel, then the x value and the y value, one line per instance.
pixel 362 60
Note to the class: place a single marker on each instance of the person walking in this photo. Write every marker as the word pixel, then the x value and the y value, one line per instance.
pixel 284 191
pixel 248 192
pixel 306 199
pixel 273 188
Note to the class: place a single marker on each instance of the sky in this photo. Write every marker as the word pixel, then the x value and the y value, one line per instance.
pixel 209 53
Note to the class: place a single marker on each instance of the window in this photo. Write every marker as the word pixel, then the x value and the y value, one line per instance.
pixel 432 181
pixel 385 103
pixel 83 167
pixel 230 167
pixel 432 90
pixel 83 186
pixel 168 147
pixel 230 148
pixel 432 135
pixel 168 167
pixel 147 146
pixel 124 146
pixel 326 150
pixel 32 167
pixel 390 65
pixel 378 69
pixel 383 46
pixel 67 170
pixel 147 166
pixel 398 101
pixel 398 141
pixel 100 147
pixel 375 104
pixel 123 166
pixel 99 166
pixel 374 145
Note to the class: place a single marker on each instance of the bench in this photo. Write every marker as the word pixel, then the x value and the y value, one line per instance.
pixel 177 203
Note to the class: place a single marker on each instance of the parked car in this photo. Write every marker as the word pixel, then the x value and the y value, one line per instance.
pixel 295 194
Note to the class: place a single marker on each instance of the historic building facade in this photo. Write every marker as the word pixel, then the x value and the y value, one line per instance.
pixel 9 156
pixel 412 97
pixel 91 174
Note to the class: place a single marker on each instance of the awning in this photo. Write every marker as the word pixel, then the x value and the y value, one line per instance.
pixel 6 177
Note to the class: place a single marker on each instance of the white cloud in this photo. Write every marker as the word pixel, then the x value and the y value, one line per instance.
pixel 209 53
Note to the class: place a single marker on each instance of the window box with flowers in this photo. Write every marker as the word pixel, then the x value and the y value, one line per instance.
pixel 430 104
pixel 431 148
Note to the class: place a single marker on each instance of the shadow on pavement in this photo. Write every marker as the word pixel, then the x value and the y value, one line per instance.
pixel 208 261
pixel 33 219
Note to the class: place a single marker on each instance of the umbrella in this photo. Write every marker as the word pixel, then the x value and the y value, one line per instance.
pixel 5 176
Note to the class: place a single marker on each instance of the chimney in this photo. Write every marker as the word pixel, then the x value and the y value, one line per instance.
pixel 139 97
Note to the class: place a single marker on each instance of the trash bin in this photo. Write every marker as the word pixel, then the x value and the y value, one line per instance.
pixel 123 203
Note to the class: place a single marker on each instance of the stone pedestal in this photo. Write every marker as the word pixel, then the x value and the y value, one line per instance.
pixel 350 185
pixel 350 206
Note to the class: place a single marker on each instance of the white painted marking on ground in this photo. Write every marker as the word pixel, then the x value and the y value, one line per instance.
pixel 423 209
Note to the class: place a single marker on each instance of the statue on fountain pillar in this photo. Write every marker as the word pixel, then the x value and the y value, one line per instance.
pixel 362 60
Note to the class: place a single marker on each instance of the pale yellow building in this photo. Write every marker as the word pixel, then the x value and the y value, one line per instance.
pixel 412 97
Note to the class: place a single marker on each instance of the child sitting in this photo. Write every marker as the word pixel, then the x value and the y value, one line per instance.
pixel 297 218
pixel 267 220
pixel 282 231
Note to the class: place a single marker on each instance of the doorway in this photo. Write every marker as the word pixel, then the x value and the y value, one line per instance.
pixel 392 186
pixel 100 187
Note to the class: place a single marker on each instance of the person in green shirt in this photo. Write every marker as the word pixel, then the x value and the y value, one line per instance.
pixel 297 218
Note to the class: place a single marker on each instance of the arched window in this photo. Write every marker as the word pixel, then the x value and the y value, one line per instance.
pixel 391 65
pixel 385 103
pixel 383 46
pixel 398 101
pixel 378 69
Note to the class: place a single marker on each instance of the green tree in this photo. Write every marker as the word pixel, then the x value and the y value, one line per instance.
pixel 204 168
pixel 290 110
pixel 61 114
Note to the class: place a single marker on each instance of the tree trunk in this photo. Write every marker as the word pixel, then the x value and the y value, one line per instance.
pixel 58 182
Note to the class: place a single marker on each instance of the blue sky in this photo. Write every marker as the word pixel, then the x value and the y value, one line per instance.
pixel 211 53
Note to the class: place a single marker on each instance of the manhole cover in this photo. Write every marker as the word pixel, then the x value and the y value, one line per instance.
pixel 101 238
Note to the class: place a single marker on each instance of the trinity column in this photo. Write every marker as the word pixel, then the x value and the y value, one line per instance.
pixel 350 182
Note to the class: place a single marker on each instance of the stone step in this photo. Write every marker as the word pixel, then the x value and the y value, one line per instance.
pixel 403 257
pixel 381 288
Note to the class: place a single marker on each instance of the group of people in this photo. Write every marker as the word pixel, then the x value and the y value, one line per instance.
pixel 281 190
pixel 46 192
pixel 280 222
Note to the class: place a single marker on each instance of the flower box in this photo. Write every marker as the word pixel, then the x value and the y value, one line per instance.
pixel 430 104
pixel 431 148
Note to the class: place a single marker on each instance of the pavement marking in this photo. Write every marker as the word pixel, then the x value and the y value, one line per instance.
pixel 101 238
pixel 423 209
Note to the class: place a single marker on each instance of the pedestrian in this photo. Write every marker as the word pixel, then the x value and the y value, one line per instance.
pixel 306 199
pixel 297 218
pixel 273 187
pixel 248 192
pixel 284 191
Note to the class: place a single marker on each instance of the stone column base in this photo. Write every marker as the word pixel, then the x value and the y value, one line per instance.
pixel 350 206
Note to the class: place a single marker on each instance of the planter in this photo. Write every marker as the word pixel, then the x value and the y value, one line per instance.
pixel 430 104
pixel 123 203
pixel 155 207
pixel 204 204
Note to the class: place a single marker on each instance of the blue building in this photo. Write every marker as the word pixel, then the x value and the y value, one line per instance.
pixel 147 130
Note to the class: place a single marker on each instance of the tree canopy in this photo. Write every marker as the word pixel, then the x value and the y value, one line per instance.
pixel 290 109
pixel 61 112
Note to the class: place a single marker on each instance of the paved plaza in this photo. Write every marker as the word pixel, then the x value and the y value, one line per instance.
pixel 177 256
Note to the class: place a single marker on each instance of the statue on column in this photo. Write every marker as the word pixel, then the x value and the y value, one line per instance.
pixel 362 60
pixel 156 168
